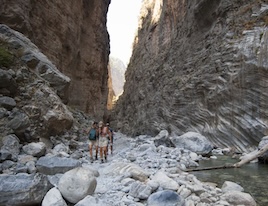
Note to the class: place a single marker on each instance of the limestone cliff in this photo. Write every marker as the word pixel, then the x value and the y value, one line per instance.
pixel 73 35
pixel 199 66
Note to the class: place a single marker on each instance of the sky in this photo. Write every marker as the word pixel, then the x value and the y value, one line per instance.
pixel 122 22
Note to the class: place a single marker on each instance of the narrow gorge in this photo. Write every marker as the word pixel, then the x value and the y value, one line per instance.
pixel 195 90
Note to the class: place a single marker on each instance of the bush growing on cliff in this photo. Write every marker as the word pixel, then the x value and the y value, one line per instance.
pixel 6 58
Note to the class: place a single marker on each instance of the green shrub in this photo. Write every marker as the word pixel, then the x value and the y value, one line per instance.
pixel 6 58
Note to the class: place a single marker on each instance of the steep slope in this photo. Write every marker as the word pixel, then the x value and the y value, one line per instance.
pixel 199 66
pixel 74 36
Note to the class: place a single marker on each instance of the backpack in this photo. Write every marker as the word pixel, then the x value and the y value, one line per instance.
pixel 92 134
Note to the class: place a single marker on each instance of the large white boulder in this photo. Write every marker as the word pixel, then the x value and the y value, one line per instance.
pixel 77 183
pixel 194 142
pixel 53 198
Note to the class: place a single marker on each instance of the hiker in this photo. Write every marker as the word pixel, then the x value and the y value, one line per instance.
pixel 104 134
pixel 93 137
pixel 111 140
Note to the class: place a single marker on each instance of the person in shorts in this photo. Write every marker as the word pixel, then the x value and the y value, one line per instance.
pixel 93 142
pixel 104 135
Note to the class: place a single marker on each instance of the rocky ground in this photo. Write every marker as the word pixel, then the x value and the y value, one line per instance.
pixel 139 172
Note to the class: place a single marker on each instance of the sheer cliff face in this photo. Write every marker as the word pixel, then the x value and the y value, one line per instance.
pixel 73 35
pixel 199 66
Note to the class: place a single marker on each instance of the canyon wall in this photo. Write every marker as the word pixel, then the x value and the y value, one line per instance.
pixel 199 66
pixel 73 35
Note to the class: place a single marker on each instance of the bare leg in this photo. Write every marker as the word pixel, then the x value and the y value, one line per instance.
pixel 96 152
pixel 111 147
pixel 105 152
pixel 101 153
pixel 90 152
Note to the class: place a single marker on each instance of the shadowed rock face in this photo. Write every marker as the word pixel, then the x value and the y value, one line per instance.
pixel 199 66
pixel 73 35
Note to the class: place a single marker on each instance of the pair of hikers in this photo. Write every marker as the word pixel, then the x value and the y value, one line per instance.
pixel 99 136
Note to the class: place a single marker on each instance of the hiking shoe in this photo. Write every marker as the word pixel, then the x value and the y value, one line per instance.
pixel 91 160
pixel 101 160
pixel 96 158
pixel 105 157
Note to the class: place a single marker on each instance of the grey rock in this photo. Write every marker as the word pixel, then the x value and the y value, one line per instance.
pixel 7 102
pixel 51 165
pixel 36 149
pixel 135 171
pixel 164 181
pixel 194 142
pixel 165 198
pixel 19 122
pixel 7 81
pixel 92 201
pixel 239 198
pixel 31 167
pixel 28 189
pixel 163 139
pixel 10 148
pixel 7 164
pixel 140 190
pixel 231 186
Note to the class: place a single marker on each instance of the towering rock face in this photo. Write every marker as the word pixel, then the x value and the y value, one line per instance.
pixel 199 66
pixel 74 37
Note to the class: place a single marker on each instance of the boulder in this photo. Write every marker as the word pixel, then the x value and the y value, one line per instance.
pixel 7 82
pixel 53 198
pixel 135 171
pixel 77 183
pixel 51 165
pixel 92 201
pixel 36 149
pixel 11 148
pixel 165 198
pixel 19 122
pixel 165 182
pixel 140 190
pixel 58 119
pixel 163 139
pixel 231 186
pixel 7 102
pixel 239 198
pixel 23 189
pixel 194 142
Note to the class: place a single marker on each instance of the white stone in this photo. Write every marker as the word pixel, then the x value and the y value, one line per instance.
pixel 231 186
pixel 77 183
pixel 165 182
pixel 53 198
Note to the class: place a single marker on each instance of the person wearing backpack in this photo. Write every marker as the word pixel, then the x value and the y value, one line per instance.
pixel 93 137
pixel 104 134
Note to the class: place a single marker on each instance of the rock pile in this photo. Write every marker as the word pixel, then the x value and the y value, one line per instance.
pixel 138 173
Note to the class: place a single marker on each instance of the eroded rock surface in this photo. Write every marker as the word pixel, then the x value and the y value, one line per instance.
pixel 73 35
pixel 199 66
